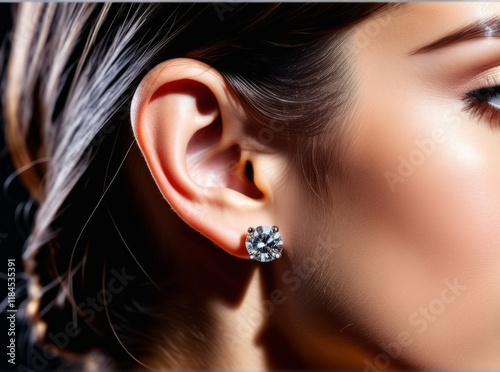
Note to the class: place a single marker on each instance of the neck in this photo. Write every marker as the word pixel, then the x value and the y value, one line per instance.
pixel 229 333
pixel 216 318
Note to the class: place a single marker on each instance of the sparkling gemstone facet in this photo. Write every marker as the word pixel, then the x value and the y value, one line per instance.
pixel 264 243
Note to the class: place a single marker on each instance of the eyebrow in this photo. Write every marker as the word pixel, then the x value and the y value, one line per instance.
pixel 477 30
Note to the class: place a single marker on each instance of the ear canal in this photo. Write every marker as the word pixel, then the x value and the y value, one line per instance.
pixel 249 171
pixel 251 188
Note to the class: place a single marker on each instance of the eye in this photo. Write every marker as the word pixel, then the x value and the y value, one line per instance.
pixel 489 95
pixel 484 104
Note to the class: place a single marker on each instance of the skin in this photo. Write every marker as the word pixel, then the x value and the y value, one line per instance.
pixel 440 222
pixel 385 275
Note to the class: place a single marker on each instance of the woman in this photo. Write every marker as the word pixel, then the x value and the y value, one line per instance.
pixel 361 138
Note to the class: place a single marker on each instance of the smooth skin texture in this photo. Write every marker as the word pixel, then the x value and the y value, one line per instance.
pixel 401 268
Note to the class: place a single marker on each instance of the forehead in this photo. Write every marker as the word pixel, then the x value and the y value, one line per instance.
pixel 385 45
pixel 413 25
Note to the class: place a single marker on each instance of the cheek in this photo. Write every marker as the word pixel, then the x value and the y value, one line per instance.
pixel 437 184
pixel 425 197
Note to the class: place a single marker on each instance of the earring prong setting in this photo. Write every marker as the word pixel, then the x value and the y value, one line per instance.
pixel 264 243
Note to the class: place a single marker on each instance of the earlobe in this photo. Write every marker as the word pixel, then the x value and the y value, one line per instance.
pixel 190 129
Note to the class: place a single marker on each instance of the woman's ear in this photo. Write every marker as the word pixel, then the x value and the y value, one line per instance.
pixel 191 130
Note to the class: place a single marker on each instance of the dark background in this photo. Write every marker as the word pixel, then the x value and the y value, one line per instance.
pixel 16 215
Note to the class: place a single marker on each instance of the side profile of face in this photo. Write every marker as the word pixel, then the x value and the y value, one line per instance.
pixel 413 229
pixel 394 264
pixel 400 265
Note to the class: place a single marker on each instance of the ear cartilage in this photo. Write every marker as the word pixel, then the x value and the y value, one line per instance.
pixel 264 243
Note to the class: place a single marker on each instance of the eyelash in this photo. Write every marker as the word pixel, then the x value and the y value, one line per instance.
pixel 476 103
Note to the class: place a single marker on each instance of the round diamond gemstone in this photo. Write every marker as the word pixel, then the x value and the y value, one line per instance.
pixel 264 243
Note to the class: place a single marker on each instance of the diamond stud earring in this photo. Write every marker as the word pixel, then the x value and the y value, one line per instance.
pixel 264 243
